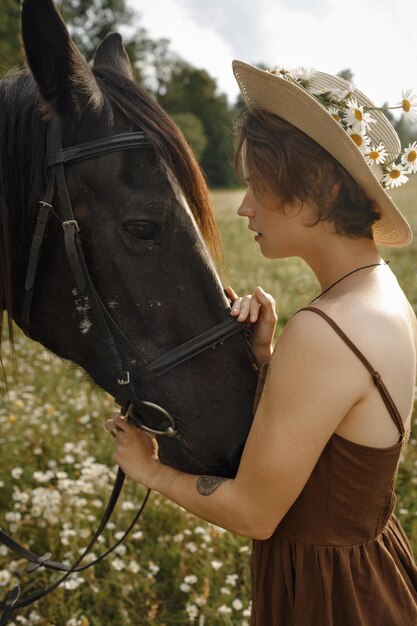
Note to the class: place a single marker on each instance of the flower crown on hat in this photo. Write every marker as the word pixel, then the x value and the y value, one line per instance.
pixel 356 120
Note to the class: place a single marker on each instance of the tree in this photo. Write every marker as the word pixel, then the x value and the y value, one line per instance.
pixel 193 130
pixel 10 42
pixel 194 91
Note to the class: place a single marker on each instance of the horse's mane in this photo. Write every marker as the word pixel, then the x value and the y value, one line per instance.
pixel 23 170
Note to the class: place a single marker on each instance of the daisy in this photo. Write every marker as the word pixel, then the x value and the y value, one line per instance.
pixel 360 139
pixel 302 74
pixel 376 154
pixel 335 113
pixel 394 176
pixel 409 102
pixel 356 117
pixel 409 158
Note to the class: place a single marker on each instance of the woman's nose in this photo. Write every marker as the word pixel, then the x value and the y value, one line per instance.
pixel 246 208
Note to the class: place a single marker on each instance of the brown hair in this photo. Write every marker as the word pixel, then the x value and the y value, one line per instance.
pixel 283 159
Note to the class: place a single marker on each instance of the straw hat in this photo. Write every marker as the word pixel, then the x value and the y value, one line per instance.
pixel 275 93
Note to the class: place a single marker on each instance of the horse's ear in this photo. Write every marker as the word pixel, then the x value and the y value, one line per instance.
pixel 111 51
pixel 63 75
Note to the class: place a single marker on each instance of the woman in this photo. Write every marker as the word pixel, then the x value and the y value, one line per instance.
pixel 315 483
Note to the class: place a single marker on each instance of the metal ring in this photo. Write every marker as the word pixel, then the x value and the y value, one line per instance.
pixel 170 431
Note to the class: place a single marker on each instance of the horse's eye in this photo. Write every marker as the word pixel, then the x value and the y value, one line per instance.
pixel 142 230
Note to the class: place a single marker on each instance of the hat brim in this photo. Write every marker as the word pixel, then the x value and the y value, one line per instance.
pixel 264 90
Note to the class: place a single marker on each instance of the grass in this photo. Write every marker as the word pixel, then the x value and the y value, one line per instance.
pixel 55 478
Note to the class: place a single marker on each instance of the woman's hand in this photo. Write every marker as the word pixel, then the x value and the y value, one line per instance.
pixel 259 309
pixel 136 451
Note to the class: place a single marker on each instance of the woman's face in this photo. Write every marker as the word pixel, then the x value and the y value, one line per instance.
pixel 280 232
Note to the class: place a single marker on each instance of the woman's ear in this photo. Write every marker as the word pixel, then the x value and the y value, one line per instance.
pixel 63 75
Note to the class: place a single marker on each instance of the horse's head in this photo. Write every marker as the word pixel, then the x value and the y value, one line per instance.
pixel 147 234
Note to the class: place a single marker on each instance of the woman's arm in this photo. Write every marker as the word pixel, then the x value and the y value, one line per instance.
pixel 313 381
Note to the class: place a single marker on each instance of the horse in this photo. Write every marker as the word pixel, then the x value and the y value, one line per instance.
pixel 147 234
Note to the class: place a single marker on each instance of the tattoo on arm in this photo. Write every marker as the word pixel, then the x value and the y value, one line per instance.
pixel 206 485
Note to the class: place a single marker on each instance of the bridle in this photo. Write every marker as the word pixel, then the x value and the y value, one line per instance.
pixel 113 341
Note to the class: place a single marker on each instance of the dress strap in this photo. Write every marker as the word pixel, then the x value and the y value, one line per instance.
pixel 388 401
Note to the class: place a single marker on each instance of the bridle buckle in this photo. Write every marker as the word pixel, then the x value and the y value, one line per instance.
pixel 68 223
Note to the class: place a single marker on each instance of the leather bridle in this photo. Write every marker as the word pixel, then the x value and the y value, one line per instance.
pixel 114 343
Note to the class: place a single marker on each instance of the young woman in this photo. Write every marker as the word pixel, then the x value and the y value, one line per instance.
pixel 315 486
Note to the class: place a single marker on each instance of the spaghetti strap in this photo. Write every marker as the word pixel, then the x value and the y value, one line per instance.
pixel 386 397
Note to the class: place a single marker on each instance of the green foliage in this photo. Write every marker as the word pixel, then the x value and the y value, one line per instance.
pixel 193 130
pixel 195 91
pixel 10 42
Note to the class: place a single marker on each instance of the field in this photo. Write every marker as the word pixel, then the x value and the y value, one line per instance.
pixel 56 471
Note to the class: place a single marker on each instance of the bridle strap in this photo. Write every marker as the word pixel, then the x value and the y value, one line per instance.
pixel 123 141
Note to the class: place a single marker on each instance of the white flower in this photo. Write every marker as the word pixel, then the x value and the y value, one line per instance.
pixel 231 579
pixel 302 74
pixel 216 565
pixel 133 567
pixel 394 176
pixel 409 158
pixel 225 590
pixel 357 118
pixel 237 604
pixel 334 112
pixel 192 611
pixel 409 103
pixel 224 610
pixel 16 472
pixel 191 547
pixel 360 139
pixel 185 588
pixel 72 583
pixel 118 564
pixel 191 579
pixel 376 154
pixel 153 568
pixel 4 577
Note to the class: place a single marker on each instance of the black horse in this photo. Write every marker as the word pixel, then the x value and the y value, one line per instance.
pixel 148 236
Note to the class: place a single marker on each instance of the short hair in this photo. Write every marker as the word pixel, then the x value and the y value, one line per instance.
pixel 283 159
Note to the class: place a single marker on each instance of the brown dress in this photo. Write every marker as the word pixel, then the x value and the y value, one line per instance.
pixel 339 557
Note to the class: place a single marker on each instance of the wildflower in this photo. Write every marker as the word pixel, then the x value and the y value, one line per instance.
pixel 185 588
pixel 237 604
pixel 335 113
pixel 118 564
pixel 360 139
pixel 191 579
pixel 72 583
pixel 4 577
pixel 409 102
pixel 192 611
pixel 133 566
pixel 357 117
pixel 138 535
pixel 16 472
pixel 191 547
pixel 216 565
pixel 153 568
pixel 376 154
pixel 409 158
pixel 394 176
pixel 224 610
pixel 225 590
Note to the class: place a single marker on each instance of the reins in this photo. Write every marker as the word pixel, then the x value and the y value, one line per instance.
pixel 113 341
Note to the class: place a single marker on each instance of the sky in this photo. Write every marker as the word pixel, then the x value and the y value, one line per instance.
pixel 376 39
